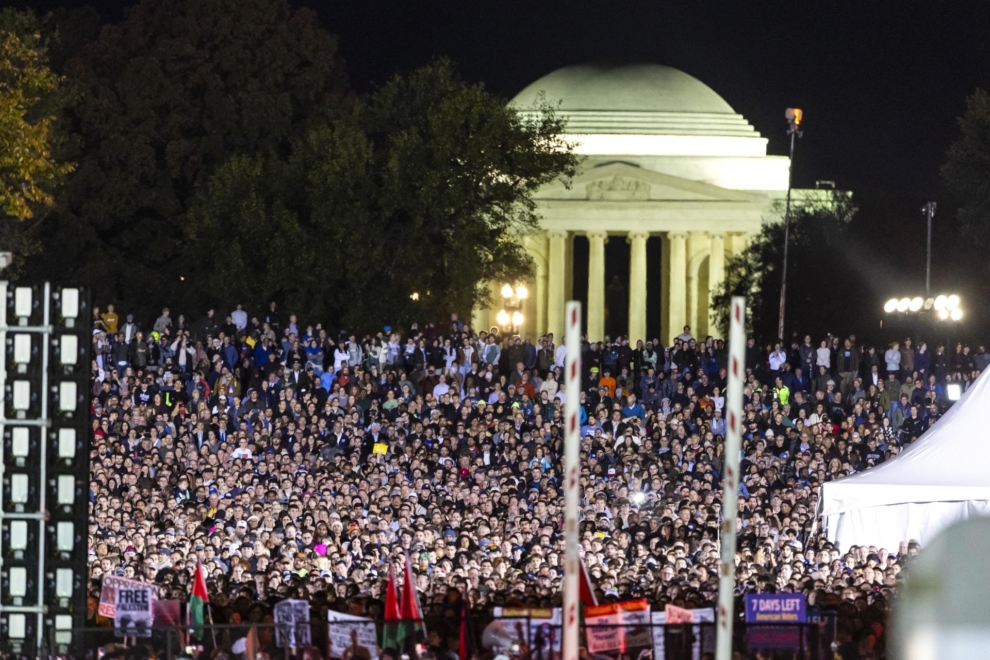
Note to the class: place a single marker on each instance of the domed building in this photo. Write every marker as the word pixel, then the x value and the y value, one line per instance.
pixel 668 168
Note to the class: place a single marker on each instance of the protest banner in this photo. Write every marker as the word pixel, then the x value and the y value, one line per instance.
pixel 340 634
pixel 133 613
pixel 292 624
pixel 700 643
pixel 776 608
pixel 544 624
pixel 622 626
pixel 108 591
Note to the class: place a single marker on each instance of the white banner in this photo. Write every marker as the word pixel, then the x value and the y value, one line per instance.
pixel 133 614
pixel 618 626
pixel 541 621
pixel 292 624
pixel 109 589
pixel 704 615
pixel 340 636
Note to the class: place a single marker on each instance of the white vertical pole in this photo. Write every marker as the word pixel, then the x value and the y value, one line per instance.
pixel 572 470
pixel 730 481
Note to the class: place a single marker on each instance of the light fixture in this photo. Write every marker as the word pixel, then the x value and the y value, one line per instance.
pixel 903 304
pixel 916 304
pixel 507 291
pixel 517 318
pixel 940 303
pixel 414 296
pixel 502 317
pixel 956 315
pixel 952 302
pixel 953 391
pixel 522 292
pixel 891 306
pixel 929 303
pixel 943 313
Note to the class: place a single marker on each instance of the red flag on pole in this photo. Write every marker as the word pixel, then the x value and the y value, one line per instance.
pixel 390 633
pixel 587 592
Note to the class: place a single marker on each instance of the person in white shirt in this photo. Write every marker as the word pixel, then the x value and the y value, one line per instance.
pixel 893 358
pixel 239 317
pixel 441 388
pixel 340 356
pixel 823 357
pixel 560 356
pixel 686 335
pixel 777 358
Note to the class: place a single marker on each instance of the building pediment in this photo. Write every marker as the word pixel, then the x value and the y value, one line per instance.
pixel 620 181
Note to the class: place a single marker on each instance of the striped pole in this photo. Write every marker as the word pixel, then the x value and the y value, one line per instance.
pixel 730 482
pixel 572 470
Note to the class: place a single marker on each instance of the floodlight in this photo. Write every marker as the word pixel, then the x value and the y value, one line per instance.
pixel 19 487
pixel 940 303
pixel 502 317
pixel 67 391
pixel 66 444
pixel 522 292
pixel 943 314
pixel 66 490
pixel 22 394
pixel 952 302
pixel 65 536
pixel 19 535
pixel 916 304
pixel 23 301
pixel 953 391
pixel 891 306
pixel 63 582
pixel 903 304
pixel 18 582
pixel 17 625
pixel 22 348
pixel 68 350
pixel 70 303
pixel 929 303
pixel 956 315
pixel 507 291
pixel 517 318
pixel 20 445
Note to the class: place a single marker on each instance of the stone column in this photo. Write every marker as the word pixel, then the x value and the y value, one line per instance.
pixel 697 243
pixel 596 285
pixel 676 270
pixel 556 275
pixel 716 273
pixel 637 285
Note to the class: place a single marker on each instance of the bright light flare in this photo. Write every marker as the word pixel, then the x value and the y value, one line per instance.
pixel 903 304
pixel 891 306
pixel 916 304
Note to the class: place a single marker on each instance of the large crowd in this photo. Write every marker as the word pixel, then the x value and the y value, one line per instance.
pixel 297 460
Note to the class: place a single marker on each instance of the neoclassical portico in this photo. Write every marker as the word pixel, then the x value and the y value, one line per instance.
pixel 664 158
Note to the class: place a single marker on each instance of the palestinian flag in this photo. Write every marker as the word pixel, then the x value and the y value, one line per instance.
pixel 466 648
pixel 587 591
pixel 390 633
pixel 412 630
pixel 198 600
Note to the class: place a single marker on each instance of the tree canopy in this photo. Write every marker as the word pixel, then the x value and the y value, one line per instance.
pixel 822 277
pixel 967 168
pixel 423 187
pixel 29 166
pixel 165 98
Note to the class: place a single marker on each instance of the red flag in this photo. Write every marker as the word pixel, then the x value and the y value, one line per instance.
pixel 412 630
pixel 465 648
pixel 390 633
pixel 586 593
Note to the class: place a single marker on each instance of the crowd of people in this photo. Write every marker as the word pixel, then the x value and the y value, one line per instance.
pixel 296 460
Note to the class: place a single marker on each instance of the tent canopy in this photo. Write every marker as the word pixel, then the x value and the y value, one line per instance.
pixel 941 478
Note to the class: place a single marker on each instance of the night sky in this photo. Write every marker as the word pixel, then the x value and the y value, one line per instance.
pixel 881 83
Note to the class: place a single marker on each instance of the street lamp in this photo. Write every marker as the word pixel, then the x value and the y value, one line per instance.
pixel 513 298
pixel 794 117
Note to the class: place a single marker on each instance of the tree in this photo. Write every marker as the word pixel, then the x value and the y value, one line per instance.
pixel 423 187
pixel 30 169
pixel 967 168
pixel 177 89
pixel 821 280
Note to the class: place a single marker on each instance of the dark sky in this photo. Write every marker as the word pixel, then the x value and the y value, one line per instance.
pixel 881 83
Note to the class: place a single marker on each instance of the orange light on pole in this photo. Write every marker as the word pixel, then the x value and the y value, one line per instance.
pixel 794 116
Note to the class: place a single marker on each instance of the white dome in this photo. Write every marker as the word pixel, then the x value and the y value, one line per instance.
pixel 645 99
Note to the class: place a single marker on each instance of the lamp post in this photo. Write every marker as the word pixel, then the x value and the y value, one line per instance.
pixel 929 211
pixel 794 117
pixel 513 299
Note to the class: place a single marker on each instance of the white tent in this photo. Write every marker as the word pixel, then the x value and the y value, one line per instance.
pixel 942 478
